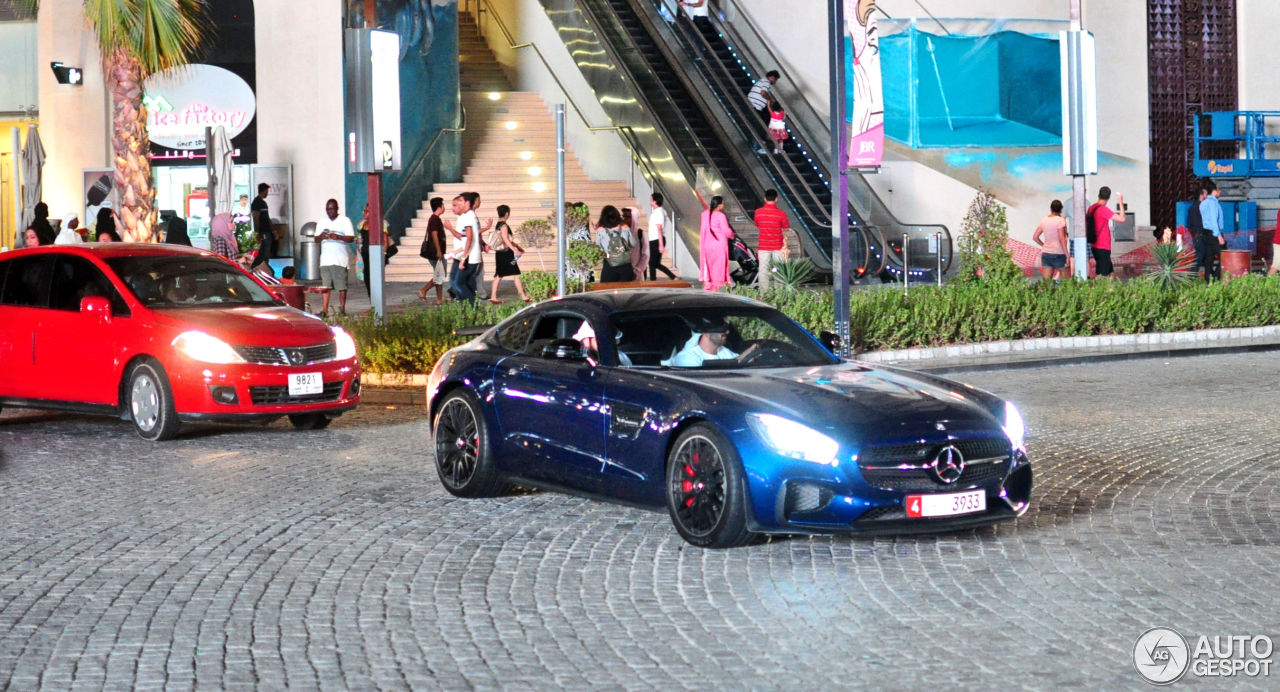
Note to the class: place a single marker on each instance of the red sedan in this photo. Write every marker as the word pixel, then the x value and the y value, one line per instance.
pixel 161 335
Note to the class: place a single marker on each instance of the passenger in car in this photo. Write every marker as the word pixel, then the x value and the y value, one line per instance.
pixel 587 337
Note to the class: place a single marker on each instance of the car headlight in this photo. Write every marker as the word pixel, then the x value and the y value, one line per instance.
pixel 792 439
pixel 200 346
pixel 346 345
pixel 1014 426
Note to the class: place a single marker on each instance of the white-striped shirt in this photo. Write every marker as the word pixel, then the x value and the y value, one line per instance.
pixel 758 97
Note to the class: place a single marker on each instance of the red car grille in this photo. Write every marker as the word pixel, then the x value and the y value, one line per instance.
pixel 292 355
pixel 276 396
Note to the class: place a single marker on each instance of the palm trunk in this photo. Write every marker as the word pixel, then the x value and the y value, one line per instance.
pixel 132 147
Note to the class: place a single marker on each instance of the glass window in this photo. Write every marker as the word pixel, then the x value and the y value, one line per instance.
pixel 75 278
pixel 515 334
pixel 552 328
pixel 743 338
pixel 27 281
pixel 186 281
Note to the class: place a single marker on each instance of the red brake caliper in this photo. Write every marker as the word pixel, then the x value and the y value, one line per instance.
pixel 687 485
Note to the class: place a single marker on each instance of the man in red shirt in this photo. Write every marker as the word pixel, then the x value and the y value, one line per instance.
pixel 771 222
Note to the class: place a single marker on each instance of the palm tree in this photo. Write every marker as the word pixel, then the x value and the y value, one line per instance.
pixel 136 39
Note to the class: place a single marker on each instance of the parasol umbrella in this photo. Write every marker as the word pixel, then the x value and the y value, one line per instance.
pixel 218 149
pixel 32 164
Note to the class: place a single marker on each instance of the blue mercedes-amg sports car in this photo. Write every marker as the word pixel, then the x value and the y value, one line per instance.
pixel 726 412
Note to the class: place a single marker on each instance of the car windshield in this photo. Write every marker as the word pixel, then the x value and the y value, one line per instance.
pixel 719 339
pixel 182 281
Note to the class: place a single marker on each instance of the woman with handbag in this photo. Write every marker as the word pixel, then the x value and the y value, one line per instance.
pixel 505 253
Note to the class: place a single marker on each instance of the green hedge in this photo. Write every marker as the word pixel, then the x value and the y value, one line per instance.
pixel 883 318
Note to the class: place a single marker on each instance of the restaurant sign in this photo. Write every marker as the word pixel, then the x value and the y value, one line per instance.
pixel 183 101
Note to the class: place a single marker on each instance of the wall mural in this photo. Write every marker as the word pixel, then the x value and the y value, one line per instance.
pixel 429 101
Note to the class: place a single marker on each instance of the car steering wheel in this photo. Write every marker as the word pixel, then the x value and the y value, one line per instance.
pixel 767 351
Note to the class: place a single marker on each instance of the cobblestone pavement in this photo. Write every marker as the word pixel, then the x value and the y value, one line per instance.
pixel 243 557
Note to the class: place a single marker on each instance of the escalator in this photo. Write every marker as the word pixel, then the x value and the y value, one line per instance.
pixel 697 124
pixel 731 69
pixel 690 132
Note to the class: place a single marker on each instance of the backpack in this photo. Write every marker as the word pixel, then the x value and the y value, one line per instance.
pixel 1090 227
pixel 619 252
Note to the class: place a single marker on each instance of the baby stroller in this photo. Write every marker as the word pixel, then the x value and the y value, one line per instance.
pixel 747 266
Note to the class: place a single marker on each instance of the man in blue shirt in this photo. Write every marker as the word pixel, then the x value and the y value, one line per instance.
pixel 1214 241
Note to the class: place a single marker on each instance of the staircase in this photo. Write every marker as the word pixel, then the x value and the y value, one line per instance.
pixel 509 150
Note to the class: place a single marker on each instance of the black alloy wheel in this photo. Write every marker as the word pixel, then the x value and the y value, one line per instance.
pixel 705 493
pixel 464 461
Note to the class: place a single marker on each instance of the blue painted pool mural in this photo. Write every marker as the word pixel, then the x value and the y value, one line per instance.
pixel 998 89
pixel 429 101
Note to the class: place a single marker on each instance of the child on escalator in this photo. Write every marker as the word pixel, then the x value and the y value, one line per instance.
pixel 777 124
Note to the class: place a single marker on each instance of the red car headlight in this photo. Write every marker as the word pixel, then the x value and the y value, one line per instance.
pixel 346 345
pixel 202 347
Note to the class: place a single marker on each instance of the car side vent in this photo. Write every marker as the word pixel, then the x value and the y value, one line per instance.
pixel 807 497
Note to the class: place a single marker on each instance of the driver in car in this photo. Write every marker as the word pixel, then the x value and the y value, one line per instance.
pixel 707 343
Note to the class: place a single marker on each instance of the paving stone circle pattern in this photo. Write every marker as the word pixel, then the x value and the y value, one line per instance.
pixel 243 557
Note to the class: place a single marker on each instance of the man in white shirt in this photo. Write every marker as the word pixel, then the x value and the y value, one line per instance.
pixel 333 234
pixel 696 9
pixel 657 237
pixel 467 257
pixel 707 344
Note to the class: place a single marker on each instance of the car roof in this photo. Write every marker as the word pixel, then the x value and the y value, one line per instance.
pixel 107 250
pixel 629 299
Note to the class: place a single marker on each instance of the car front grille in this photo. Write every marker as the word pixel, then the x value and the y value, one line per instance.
pixel 291 355
pixel 903 467
pixel 276 396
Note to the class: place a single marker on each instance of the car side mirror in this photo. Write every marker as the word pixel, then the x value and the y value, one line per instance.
pixel 96 305
pixel 564 349
pixel 831 341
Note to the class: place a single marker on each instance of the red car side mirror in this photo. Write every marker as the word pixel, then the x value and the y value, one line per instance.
pixel 96 305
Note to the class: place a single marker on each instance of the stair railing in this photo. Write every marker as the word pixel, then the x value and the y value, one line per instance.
pixel 422 158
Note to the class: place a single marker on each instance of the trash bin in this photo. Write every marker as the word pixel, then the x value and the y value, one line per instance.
pixel 309 260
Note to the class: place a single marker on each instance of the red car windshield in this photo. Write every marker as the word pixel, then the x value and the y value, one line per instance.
pixel 183 281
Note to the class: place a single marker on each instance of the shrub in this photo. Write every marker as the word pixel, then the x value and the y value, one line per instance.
pixel 984 232
pixel 533 234
pixel 791 274
pixel 1173 268
pixel 885 318
pixel 581 257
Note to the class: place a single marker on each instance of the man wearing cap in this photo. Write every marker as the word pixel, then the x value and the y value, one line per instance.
pixel 707 344
pixel 69 235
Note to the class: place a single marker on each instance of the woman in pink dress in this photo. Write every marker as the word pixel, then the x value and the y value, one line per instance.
pixel 713 250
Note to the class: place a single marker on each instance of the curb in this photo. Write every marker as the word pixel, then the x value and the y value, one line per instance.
pixel 1023 353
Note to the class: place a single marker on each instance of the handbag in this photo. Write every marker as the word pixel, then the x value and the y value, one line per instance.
pixel 392 249
pixel 428 250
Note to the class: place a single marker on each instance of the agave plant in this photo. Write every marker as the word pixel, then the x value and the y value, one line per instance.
pixel 1172 267
pixel 792 274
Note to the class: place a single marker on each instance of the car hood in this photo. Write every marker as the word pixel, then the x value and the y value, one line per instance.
pixel 881 405
pixel 251 326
